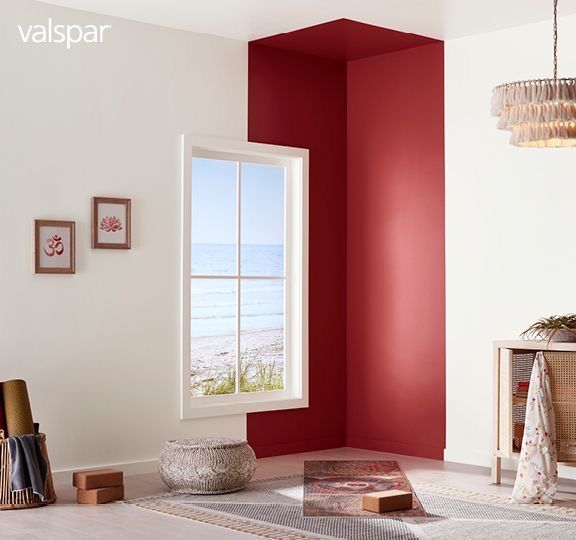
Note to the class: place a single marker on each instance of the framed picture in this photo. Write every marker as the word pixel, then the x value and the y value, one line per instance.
pixel 110 223
pixel 54 247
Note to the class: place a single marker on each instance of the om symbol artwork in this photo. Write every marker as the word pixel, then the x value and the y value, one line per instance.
pixel 55 246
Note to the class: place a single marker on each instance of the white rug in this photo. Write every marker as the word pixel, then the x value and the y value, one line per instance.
pixel 273 509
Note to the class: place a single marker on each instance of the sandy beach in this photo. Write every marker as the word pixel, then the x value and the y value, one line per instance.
pixel 214 359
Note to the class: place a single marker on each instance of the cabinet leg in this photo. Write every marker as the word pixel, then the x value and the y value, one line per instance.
pixel 496 470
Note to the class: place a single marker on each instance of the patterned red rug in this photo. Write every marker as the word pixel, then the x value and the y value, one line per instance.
pixel 335 488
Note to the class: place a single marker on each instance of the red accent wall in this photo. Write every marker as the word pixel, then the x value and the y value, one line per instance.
pixel 395 253
pixel 300 100
pixel 375 130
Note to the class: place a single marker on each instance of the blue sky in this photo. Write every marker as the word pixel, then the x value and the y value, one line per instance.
pixel 214 203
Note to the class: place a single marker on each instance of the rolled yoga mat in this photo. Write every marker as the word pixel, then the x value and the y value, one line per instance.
pixel 17 408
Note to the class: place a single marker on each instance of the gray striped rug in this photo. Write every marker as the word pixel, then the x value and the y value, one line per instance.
pixel 273 509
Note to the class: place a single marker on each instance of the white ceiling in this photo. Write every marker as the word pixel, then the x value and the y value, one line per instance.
pixel 252 19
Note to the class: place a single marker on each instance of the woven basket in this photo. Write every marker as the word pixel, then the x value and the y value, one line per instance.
pixel 10 500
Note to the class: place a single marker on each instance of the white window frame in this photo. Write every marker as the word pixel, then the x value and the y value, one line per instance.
pixel 295 392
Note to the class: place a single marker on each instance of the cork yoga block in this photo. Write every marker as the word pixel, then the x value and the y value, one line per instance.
pixel 100 495
pixel 387 501
pixel 99 478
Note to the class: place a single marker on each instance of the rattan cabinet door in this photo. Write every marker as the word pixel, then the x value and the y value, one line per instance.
pixel 505 433
pixel 562 371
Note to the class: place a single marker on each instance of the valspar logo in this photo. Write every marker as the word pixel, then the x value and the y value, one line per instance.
pixel 60 33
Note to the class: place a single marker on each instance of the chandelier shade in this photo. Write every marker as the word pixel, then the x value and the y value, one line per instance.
pixel 540 112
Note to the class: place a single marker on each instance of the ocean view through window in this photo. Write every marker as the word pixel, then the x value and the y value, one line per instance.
pixel 236 314
pixel 244 310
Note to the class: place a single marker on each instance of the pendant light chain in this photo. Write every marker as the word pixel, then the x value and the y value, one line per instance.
pixel 555 39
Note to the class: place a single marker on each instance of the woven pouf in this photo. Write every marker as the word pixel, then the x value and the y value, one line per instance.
pixel 207 466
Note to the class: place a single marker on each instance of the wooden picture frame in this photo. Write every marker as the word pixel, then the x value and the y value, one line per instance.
pixel 111 223
pixel 54 247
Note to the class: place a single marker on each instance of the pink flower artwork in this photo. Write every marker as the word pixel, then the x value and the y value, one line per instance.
pixel 111 224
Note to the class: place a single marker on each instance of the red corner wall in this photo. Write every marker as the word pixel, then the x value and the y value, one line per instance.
pixel 297 99
pixel 375 130
pixel 395 253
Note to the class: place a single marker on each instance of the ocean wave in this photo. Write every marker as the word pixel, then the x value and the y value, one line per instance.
pixel 233 305
pixel 232 291
pixel 242 316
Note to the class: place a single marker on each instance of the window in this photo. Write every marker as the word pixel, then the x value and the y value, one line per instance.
pixel 244 286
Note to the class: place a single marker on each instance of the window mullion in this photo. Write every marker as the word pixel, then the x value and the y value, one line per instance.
pixel 238 259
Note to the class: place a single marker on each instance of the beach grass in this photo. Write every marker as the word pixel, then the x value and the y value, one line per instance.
pixel 256 375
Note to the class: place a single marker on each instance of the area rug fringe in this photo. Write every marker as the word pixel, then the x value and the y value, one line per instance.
pixel 490 498
pixel 233 523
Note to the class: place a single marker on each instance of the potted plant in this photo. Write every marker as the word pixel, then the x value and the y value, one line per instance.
pixel 554 328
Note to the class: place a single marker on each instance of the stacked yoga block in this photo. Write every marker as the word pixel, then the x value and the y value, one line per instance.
pixel 98 486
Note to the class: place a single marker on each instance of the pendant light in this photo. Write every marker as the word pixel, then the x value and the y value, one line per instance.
pixel 541 112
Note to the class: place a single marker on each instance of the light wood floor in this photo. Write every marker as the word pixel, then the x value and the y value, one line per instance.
pixel 67 520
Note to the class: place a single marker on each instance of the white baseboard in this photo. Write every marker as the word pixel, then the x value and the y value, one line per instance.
pixel 565 470
pixel 64 476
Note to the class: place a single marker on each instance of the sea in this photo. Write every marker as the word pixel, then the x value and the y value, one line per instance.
pixel 214 300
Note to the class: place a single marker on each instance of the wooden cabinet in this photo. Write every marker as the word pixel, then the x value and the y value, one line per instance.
pixel 512 366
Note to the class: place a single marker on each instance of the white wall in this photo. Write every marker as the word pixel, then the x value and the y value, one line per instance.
pixel 510 215
pixel 100 349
